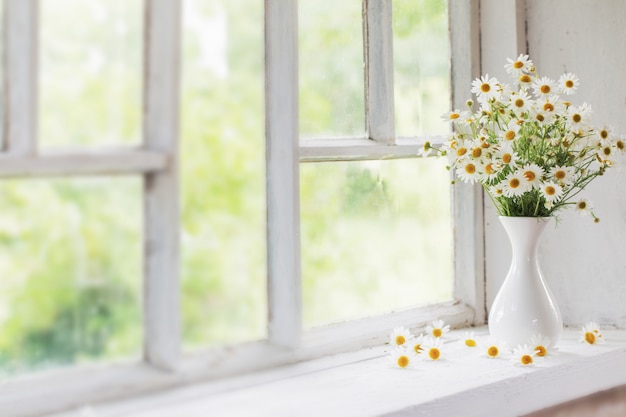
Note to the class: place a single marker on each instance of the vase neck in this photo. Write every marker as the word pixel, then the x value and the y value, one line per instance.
pixel 525 233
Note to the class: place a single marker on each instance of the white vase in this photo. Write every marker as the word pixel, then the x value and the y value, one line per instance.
pixel 524 305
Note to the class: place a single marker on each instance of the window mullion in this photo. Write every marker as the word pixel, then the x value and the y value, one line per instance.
pixel 20 81
pixel 161 199
pixel 469 268
pixel 378 44
pixel 283 195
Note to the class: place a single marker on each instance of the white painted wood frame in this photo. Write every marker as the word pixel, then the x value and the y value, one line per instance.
pixel 21 31
pixel 469 275
pixel 162 327
pixel 157 161
pixel 379 87
pixel 283 179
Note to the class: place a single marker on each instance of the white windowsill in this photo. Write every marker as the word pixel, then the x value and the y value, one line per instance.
pixel 364 383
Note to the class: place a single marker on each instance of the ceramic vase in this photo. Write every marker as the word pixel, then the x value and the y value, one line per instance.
pixel 524 305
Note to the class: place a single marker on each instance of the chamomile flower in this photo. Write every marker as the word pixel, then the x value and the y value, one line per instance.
pixel 433 348
pixel 543 87
pixel 506 155
pixel 524 81
pixel 402 358
pixel 400 336
pixel 590 334
pixel 494 348
pixel 426 150
pixel 515 184
pixel 584 207
pixel 468 171
pixel 563 174
pixel 497 190
pixel 605 134
pixel 452 116
pixel 568 83
pixel 532 173
pixel 524 355
pixel 490 171
pixel 418 344
pixel 469 339
pixel 606 152
pixel 578 118
pixel 509 133
pixel 540 344
pixel 437 329
pixel 551 191
pixel 486 88
pixel 520 102
pixel 519 66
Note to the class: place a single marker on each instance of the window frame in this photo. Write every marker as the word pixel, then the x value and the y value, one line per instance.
pixel 156 160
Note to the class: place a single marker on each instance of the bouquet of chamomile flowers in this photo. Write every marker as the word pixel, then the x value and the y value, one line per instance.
pixel 531 148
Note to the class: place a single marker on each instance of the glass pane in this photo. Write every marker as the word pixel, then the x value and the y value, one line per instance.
pixel 376 237
pixel 71 274
pixel 421 51
pixel 223 169
pixel 331 68
pixel 91 69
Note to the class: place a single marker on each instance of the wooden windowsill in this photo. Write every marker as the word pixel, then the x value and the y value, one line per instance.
pixel 364 383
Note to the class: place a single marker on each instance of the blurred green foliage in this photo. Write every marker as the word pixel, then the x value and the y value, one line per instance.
pixel 375 235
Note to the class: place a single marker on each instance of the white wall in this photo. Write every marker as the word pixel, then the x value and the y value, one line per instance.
pixel 584 263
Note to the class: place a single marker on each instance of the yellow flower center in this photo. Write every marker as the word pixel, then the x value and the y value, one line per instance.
pixel 506 158
pixel 606 151
pixel 619 145
pixel 526 359
pixel 403 361
pixel 524 79
pixel 427 145
pixel 489 169
pixel 492 351
pixel 577 118
pixel 461 151
pixel 519 103
pixel 540 117
pixel 548 107
pixel 582 205
pixel 529 175
pixel 510 135
pixel 604 134
pixel 454 116
pixel 518 64
pixel 438 332
pixel 567 103
pixel 569 83
pixel 545 89
pixel 559 175
pixel 550 190
pixel 417 348
pixel 470 343
pixel 470 169
pixel 541 350
pixel 476 152
pixel 400 340
pixel 485 88
pixel 434 353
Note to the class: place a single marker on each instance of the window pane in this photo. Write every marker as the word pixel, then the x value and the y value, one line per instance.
pixel 421 50
pixel 91 69
pixel 71 273
pixel 331 68
pixel 223 163
pixel 376 237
